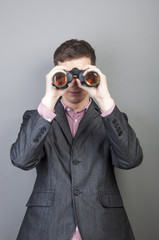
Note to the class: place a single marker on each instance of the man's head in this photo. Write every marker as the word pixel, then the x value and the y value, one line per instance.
pixel 75 54
pixel 74 49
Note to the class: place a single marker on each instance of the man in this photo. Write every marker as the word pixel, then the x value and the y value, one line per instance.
pixel 75 145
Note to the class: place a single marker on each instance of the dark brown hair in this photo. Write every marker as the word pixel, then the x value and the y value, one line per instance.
pixel 74 49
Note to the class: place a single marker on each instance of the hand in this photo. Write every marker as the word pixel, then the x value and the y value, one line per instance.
pixel 52 93
pixel 100 93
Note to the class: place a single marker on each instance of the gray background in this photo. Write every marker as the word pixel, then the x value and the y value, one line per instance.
pixel 125 35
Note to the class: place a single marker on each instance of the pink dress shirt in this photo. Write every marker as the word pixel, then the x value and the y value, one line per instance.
pixel 74 119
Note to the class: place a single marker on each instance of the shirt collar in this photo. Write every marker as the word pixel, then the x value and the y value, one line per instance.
pixel 66 108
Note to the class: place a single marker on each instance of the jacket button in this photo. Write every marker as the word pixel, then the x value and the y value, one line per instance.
pixel 114 121
pixel 42 130
pixel 75 162
pixel 38 136
pixel 120 133
pixel 118 129
pixel 76 192
pixel 36 140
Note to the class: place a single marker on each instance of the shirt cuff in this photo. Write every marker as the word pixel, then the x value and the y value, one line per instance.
pixel 109 111
pixel 46 113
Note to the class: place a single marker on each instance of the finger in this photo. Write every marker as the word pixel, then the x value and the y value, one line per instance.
pixel 57 69
pixel 92 69
pixel 61 67
pixel 81 86
pixel 88 66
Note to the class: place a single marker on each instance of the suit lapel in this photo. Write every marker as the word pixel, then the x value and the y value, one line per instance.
pixel 92 112
pixel 62 120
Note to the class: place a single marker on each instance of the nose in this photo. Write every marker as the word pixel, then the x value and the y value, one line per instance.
pixel 73 82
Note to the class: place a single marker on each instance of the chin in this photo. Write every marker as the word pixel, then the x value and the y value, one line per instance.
pixel 75 100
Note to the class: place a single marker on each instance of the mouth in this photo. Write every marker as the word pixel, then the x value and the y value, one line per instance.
pixel 74 91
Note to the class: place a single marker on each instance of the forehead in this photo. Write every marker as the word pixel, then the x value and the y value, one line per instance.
pixel 79 63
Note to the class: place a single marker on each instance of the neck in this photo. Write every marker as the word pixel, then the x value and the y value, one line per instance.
pixel 76 106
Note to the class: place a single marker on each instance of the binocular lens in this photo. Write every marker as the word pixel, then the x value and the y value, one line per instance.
pixel 60 79
pixel 92 79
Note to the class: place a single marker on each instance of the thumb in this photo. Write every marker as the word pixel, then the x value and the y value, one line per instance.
pixel 81 86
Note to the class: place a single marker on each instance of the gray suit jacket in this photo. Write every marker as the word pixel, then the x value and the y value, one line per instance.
pixel 75 181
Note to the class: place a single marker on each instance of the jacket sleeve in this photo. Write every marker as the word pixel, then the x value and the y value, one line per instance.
pixel 125 147
pixel 27 151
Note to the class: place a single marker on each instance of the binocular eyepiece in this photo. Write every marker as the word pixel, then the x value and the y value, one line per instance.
pixel 61 80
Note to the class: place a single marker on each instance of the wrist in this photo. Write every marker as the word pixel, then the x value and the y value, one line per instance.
pixel 106 103
pixel 49 102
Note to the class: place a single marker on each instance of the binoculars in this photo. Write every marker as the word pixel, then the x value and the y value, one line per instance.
pixel 61 80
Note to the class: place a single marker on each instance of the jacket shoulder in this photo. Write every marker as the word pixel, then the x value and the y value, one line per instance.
pixel 28 113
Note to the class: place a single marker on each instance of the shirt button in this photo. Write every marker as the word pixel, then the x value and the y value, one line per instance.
pixel 76 192
pixel 76 120
pixel 48 119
